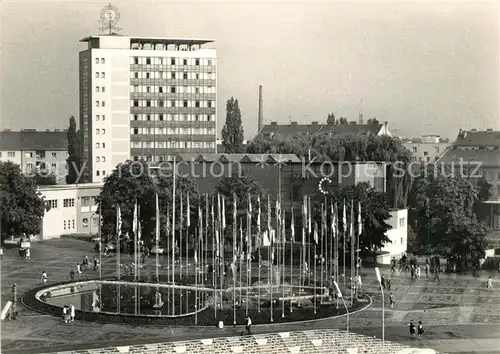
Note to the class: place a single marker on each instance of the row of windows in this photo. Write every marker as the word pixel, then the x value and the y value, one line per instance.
pixel 100 145
pixel 52 204
pixel 173 145
pixel 69 224
pixel 100 159
pixel 169 131
pixel 68 203
pixel 100 173
pixel 170 61
pixel 30 166
pixel 100 89
pixel 173 103
pixel 85 221
pixel 9 154
pixel 100 131
pixel 99 117
pixel 155 158
pixel 100 103
pixel 102 76
pixel 170 75
pixel 39 154
pixel 102 61
pixel 172 117
pixel 172 89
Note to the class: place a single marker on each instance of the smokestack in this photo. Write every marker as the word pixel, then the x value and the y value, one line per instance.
pixel 261 113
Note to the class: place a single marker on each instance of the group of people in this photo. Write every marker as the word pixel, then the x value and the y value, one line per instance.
pixel 414 268
pixel 416 329
pixel 69 313
pixel 80 267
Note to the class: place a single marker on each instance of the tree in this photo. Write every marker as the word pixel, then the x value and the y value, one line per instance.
pixel 373 121
pixel 442 214
pixel 232 132
pixel 343 120
pixel 481 209
pixel 131 182
pixel 44 178
pixel 74 160
pixel 331 119
pixel 21 205
pixel 242 186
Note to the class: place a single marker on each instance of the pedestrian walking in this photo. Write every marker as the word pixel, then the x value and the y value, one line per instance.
pixel 28 253
pixel 79 269
pixel 72 312
pixel 489 284
pixel 72 274
pixel 436 275
pixel 391 300
pixel 427 270
pixel 420 329
pixel 248 326
pixel 411 325
pixel 388 282
pixel 382 282
pixel 418 272
pixel 66 316
pixel 393 264
pixel 95 264
pixel 44 277
pixel 412 272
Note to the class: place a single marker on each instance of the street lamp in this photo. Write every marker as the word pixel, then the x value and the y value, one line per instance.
pixel 379 279
pixel 339 294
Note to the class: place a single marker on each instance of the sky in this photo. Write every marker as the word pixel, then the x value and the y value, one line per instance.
pixel 424 67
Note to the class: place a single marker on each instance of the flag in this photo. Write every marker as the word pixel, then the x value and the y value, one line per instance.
pixel 292 227
pixel 118 222
pixel 258 215
pixel 344 219
pixel 217 240
pixel 235 208
pixel 269 215
pixel 283 228
pixel 351 228
pixel 316 240
pixel 157 220
pixel 249 206
pixel 360 221
pixel 332 219
pixel 200 218
pixel 304 220
pixel 309 215
pixel 134 222
pixel 223 213
pixel 188 212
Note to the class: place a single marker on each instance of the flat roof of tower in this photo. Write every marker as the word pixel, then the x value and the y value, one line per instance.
pixel 164 40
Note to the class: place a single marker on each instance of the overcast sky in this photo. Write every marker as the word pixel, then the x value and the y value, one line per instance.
pixel 426 68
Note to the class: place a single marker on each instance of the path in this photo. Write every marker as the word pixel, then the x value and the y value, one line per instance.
pixel 454 312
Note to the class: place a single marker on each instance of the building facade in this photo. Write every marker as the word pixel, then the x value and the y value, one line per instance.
pixel 477 153
pixel 42 151
pixel 294 129
pixel 145 98
pixel 428 148
pixel 72 210
pixel 397 234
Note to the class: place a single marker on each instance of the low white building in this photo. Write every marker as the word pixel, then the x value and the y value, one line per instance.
pixel 398 235
pixel 72 209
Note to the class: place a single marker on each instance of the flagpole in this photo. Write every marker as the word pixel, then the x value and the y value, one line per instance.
pixel 206 239
pixel 173 234
pixel 136 228
pixel 234 267
pixel 270 255
pixel 118 256
pixel 100 259
pixel 283 241
pixel 322 254
pixel 353 245
pixel 249 248
pixel 188 225
pixel 259 254
pixel 195 280
pixel 157 239
pixel 292 228
pixel 344 233
pixel 309 243
pixel 181 220
pixel 222 250
pixel 167 248
pixel 315 261
pixel 214 266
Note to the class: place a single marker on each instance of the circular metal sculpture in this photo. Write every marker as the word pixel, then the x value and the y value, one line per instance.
pixel 322 190
pixel 110 15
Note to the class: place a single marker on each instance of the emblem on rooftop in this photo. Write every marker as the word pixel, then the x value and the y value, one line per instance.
pixel 110 15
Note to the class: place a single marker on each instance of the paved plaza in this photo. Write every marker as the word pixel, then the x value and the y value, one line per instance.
pixel 459 315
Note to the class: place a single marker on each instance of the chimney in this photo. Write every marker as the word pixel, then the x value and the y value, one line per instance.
pixel 261 113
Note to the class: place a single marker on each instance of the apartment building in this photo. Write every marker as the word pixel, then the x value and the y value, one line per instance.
pixel 145 98
pixel 36 150
pixel 478 152
pixel 427 148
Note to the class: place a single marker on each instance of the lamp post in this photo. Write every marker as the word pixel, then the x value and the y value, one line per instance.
pixel 379 279
pixel 339 294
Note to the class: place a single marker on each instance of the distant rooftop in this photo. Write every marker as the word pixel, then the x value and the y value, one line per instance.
pixel 31 139
pixel 166 41
pixel 474 137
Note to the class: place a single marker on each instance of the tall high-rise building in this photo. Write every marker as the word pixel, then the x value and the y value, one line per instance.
pixel 145 98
